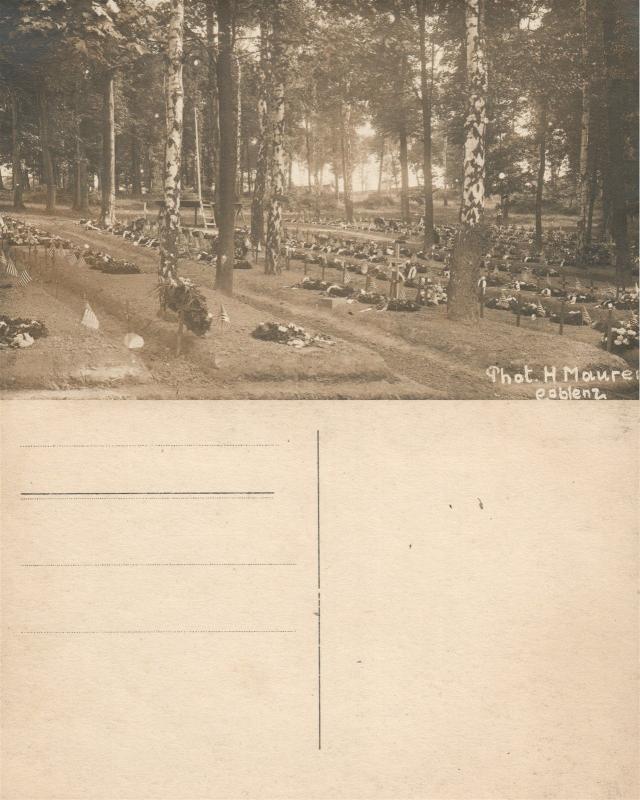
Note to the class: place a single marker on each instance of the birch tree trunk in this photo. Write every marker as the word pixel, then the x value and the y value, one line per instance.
pixel 227 165
pixel 237 77
pixel 347 164
pixel 108 183
pixel 47 160
pixel 274 219
pixel 16 159
pixel 426 88
pixel 262 162
pixel 174 104
pixel 462 293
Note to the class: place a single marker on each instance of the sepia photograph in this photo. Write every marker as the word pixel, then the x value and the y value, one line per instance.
pixel 319 199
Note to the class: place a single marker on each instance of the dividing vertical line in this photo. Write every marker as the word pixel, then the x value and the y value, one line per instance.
pixel 319 628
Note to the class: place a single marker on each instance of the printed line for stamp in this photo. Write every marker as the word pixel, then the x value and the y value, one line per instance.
pixel 222 444
pixel 140 494
pixel 95 633
pixel 170 564
pixel 147 498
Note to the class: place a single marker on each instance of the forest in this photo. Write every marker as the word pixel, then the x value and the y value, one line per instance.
pixel 390 115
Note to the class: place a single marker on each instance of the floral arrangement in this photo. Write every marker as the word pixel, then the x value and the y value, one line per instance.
pixel 291 335
pixel 625 334
pixel 185 298
pixel 19 332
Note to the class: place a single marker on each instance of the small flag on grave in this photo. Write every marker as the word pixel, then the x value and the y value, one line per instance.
pixel 3 259
pixel 89 319
pixel 11 268
pixel 80 262
pixel 540 310
pixel 347 278
pixel 223 316
pixel 586 317
pixel 51 251
pixel 24 278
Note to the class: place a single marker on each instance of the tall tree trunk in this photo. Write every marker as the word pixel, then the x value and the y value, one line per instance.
pixel 381 165
pixel 16 159
pixel 174 104
pixel 136 182
pixel 586 127
pixel 593 189
pixel 247 159
pixel 108 183
pixel 465 267
pixel 347 165
pixel 405 209
pixel 616 112
pixel 274 218
pixel 307 142
pixel 213 128
pixel 81 189
pixel 445 153
pixel 237 77
pixel 47 159
pixel 262 162
pixel 542 165
pixel 227 165
pixel 426 88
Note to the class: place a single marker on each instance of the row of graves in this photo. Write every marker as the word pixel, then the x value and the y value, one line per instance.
pixel 397 277
pixel 510 245
pixel 28 252
pixel 389 276
pixel 193 243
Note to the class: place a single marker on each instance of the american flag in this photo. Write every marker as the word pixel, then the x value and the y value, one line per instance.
pixel 373 286
pixel 89 319
pixel 540 310
pixel 586 317
pixel 80 260
pixel 11 268
pixel 24 278
pixel 223 315
pixel 347 278
pixel 51 252
pixel 3 259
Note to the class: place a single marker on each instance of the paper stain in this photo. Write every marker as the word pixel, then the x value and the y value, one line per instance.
pixel 480 504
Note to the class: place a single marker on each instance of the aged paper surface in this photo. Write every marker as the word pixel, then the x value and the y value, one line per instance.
pixel 307 600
